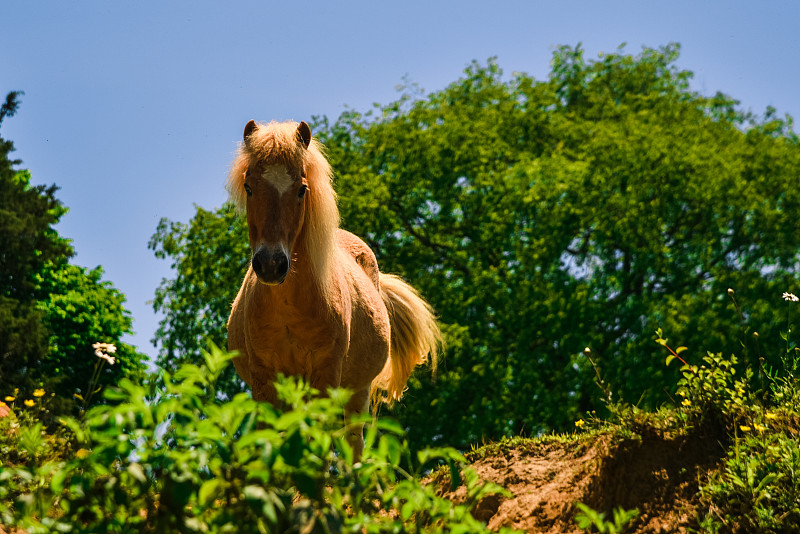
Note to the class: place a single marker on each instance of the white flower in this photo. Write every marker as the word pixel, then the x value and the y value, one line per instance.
pixel 104 356
pixel 105 347
pixel 100 350
pixel 791 297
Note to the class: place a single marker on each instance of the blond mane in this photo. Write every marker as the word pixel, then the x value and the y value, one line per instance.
pixel 276 143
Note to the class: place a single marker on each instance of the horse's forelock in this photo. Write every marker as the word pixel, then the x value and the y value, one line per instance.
pixel 274 143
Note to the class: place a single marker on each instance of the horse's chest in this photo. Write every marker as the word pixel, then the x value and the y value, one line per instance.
pixel 291 344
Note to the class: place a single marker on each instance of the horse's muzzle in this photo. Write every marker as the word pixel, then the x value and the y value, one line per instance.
pixel 271 265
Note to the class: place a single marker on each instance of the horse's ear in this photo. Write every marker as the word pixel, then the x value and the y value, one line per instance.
pixel 249 129
pixel 303 134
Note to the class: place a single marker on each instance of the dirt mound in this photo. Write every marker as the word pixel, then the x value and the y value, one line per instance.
pixel 656 475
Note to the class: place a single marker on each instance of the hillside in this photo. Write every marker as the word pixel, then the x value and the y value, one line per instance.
pixel 656 475
pixel 728 463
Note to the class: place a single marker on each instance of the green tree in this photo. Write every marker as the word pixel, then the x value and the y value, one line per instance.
pixel 51 312
pixel 540 217
pixel 210 256
pixel 81 309
pixel 27 242
pixel 584 210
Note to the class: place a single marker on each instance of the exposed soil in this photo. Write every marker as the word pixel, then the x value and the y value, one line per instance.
pixel 656 475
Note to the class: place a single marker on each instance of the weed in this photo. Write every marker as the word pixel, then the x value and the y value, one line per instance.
pixel 757 487
pixel 592 520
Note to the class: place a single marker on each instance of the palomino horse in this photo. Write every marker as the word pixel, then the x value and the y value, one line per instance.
pixel 313 303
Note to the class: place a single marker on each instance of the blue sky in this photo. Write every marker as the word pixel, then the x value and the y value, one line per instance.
pixel 134 109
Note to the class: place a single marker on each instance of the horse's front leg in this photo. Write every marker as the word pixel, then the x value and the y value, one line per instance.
pixel 262 382
pixel 326 374
pixel 264 391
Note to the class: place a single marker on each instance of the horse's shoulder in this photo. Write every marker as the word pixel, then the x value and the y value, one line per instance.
pixel 236 320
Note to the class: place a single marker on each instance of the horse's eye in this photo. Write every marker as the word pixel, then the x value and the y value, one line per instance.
pixel 303 189
pixel 248 190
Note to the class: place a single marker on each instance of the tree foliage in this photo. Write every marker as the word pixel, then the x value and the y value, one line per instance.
pixel 80 309
pixel 210 257
pixel 51 312
pixel 541 217
pixel 27 242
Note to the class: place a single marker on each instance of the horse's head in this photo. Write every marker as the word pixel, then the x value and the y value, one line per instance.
pixel 275 186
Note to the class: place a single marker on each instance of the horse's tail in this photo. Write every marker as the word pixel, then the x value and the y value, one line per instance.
pixel 415 337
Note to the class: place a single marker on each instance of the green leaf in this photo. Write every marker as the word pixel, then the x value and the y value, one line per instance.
pixel 455 475
pixel 256 493
pixel 406 511
pixel 208 491
pixel 57 482
pixel 394 449
pixel 292 449
pixel 766 481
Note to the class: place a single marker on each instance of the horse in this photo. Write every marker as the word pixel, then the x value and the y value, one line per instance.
pixel 313 303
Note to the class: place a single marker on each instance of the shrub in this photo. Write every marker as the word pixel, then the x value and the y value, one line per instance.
pixel 177 459
pixel 756 488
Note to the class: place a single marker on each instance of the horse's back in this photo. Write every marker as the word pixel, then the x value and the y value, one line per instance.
pixel 369 319
pixel 361 253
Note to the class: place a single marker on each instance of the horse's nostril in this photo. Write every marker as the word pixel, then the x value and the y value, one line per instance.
pixel 281 263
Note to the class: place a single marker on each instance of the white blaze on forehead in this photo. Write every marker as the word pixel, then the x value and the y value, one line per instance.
pixel 278 177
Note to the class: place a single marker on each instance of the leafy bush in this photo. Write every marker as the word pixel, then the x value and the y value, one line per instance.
pixel 176 459
pixel 757 487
